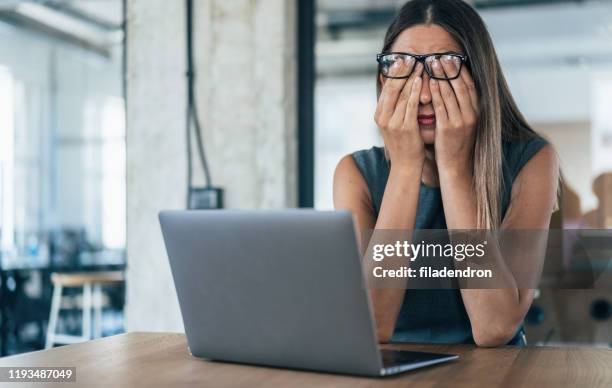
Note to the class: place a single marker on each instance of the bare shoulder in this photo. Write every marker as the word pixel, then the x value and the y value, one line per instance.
pixel 347 170
pixel 351 193
pixel 534 192
pixel 349 184
pixel 543 166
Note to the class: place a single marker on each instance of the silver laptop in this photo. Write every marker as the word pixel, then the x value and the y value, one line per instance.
pixel 278 288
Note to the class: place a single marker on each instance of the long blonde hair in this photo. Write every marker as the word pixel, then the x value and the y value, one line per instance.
pixel 498 115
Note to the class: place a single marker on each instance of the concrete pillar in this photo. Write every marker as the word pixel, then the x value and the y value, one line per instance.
pixel 246 69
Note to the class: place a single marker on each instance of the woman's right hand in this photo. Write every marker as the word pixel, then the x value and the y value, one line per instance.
pixel 396 117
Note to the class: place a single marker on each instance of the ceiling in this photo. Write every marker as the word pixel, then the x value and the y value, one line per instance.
pixel 96 25
pixel 108 12
pixel 335 15
pixel 524 31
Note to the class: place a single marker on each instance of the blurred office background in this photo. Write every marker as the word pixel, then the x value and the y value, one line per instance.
pixel 82 178
pixel 62 153
pixel 557 58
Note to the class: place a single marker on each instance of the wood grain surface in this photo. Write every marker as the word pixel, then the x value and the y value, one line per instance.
pixel 162 360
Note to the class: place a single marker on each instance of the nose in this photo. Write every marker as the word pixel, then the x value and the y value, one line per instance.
pixel 425 96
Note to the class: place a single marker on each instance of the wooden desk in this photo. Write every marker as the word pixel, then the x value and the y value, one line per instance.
pixel 161 360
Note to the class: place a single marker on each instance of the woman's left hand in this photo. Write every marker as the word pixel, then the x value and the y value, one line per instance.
pixel 455 104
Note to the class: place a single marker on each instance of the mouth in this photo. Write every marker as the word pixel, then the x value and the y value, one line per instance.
pixel 426 120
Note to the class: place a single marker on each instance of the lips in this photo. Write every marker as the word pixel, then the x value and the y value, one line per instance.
pixel 426 119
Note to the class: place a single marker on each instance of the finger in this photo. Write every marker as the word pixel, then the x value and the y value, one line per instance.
pixel 412 107
pixel 447 93
pixel 459 87
pixel 402 101
pixel 436 68
pixel 390 91
pixel 450 65
pixel 389 83
pixel 438 103
pixel 471 87
pixel 401 67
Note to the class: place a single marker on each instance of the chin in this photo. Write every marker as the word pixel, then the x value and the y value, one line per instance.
pixel 428 135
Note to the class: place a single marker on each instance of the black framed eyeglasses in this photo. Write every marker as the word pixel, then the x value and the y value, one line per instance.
pixel 398 65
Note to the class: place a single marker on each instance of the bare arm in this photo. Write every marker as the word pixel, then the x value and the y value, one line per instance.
pixel 396 117
pixel 398 211
pixel 495 314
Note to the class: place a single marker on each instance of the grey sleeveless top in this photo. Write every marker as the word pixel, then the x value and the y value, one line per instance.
pixel 439 316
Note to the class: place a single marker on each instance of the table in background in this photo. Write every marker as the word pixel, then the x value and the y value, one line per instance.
pixel 162 360
pixel 85 262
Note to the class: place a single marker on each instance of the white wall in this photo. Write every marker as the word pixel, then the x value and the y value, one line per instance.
pixel 246 86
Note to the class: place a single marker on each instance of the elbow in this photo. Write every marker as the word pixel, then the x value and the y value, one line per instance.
pixel 490 336
pixel 384 333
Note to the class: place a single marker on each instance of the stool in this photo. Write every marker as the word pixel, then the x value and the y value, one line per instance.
pixel 91 282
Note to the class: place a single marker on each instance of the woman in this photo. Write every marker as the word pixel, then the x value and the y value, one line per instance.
pixel 457 154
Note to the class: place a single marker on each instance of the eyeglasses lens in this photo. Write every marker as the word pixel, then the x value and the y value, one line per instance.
pixel 401 65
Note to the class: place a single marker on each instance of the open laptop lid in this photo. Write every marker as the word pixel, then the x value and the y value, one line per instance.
pixel 280 288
